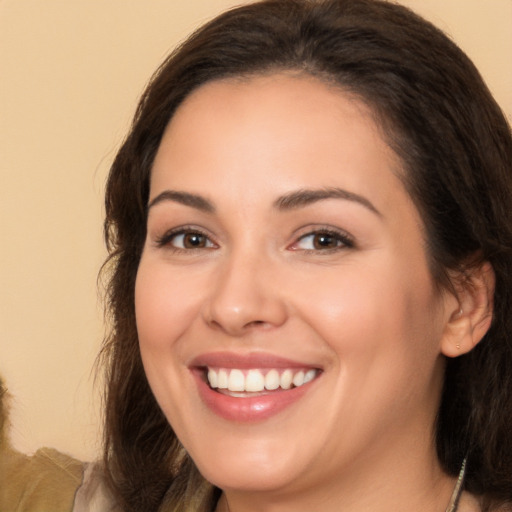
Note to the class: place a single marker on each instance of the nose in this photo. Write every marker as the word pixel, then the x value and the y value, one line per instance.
pixel 245 296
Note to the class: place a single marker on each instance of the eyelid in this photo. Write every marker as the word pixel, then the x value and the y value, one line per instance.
pixel 164 241
pixel 347 240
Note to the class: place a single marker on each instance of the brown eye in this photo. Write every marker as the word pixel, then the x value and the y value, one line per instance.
pixel 194 241
pixel 323 241
pixel 186 240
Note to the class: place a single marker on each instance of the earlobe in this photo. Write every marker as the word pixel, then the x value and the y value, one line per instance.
pixel 469 322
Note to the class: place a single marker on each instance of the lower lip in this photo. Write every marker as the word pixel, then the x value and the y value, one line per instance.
pixel 251 408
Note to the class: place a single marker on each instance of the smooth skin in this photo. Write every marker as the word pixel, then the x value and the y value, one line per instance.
pixel 243 261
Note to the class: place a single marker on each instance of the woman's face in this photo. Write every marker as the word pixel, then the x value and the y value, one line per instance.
pixel 282 247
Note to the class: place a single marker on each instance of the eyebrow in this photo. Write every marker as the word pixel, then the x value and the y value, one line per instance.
pixel 185 198
pixel 291 201
pixel 306 197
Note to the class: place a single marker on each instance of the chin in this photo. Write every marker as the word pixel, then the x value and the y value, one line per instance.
pixel 246 468
pixel 246 478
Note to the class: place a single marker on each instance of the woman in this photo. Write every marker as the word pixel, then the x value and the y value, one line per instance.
pixel 310 241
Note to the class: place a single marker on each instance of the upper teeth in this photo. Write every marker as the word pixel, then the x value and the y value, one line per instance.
pixel 256 380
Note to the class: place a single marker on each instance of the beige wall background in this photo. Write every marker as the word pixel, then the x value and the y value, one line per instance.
pixel 70 75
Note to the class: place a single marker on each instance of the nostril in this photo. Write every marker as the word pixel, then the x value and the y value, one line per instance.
pixel 255 323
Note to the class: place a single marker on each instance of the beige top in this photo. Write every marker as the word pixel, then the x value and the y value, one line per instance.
pixel 45 481
pixel 93 495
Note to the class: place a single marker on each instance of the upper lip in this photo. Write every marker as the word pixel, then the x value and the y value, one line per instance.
pixel 246 361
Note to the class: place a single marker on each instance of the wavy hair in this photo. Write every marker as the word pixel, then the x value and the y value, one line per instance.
pixel 456 148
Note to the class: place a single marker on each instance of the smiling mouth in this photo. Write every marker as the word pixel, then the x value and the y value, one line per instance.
pixel 250 382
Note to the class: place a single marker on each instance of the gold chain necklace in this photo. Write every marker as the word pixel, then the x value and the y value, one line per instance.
pixel 456 494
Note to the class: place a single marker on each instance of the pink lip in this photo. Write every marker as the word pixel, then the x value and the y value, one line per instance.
pixel 252 408
pixel 245 361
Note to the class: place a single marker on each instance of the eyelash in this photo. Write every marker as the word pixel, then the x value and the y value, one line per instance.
pixel 344 240
pixel 167 239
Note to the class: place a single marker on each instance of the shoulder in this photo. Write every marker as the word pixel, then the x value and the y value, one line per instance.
pixel 468 503
pixel 46 480
pixel 93 494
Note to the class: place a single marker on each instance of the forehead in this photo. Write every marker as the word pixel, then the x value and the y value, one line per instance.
pixel 273 101
pixel 273 133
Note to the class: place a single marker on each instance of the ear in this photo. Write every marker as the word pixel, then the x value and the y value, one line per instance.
pixel 471 318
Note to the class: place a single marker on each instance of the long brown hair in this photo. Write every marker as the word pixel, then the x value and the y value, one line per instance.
pixel 456 149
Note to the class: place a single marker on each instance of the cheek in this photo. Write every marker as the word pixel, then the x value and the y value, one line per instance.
pixel 162 315
pixel 164 312
pixel 165 306
pixel 376 311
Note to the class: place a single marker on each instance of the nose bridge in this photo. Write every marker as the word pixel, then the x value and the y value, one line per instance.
pixel 244 295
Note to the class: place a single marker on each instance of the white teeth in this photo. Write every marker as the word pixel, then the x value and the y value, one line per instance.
pixel 310 375
pixel 222 381
pixel 254 381
pixel 236 381
pixel 287 379
pixel 213 379
pixel 298 379
pixel 272 380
